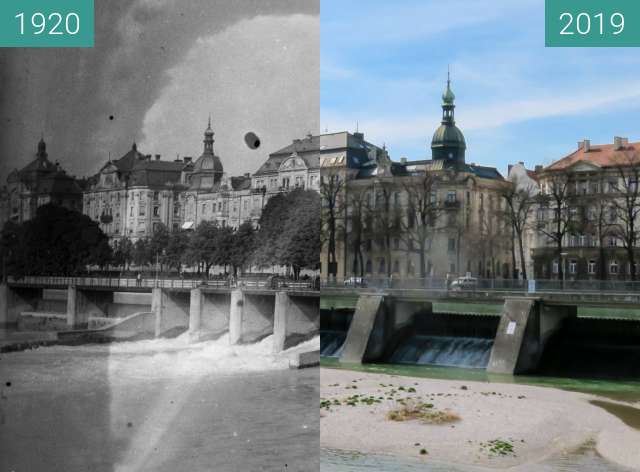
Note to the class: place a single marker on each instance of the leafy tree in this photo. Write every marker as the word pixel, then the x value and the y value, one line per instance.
pixel 141 252
pixel 176 249
pixel 57 241
pixel 289 231
pixel 331 189
pixel 123 253
pixel 201 250
pixel 243 246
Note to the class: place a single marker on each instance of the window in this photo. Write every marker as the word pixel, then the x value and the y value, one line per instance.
pixel 410 268
pixel 612 242
pixel 582 240
pixel 613 267
pixel 451 196
pixel 452 245
pixel 156 211
pixel 396 244
pixel 368 245
pixel 573 266
pixel 383 266
pixel 368 267
pixel 396 199
pixel 155 196
pixel 396 266
pixel 246 205
pixel 555 267
pixel 591 267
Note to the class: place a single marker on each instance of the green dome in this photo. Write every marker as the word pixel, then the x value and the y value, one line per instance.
pixel 448 135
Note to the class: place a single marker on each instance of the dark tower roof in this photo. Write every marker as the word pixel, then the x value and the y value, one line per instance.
pixel 207 170
pixel 448 142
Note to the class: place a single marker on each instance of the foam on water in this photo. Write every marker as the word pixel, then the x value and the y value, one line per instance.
pixel 178 357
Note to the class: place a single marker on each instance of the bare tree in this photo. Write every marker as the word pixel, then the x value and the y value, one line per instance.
pixel 598 218
pixel 422 212
pixel 519 201
pixel 384 218
pixel 627 208
pixel 331 187
pixel 357 210
pixel 558 199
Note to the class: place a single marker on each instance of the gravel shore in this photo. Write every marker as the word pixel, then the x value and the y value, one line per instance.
pixel 500 425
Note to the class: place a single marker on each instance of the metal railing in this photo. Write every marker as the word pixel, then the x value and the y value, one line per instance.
pixel 170 283
pixel 477 284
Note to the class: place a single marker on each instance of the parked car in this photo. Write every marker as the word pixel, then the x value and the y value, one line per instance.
pixel 355 282
pixel 464 283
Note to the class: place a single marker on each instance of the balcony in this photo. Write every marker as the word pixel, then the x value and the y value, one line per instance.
pixel 452 204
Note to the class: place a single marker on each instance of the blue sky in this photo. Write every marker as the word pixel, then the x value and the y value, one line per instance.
pixel 384 65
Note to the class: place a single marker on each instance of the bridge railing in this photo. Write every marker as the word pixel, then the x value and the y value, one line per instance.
pixel 478 284
pixel 132 283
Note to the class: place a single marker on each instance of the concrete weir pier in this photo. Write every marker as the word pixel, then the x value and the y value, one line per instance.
pixel 88 313
pixel 500 333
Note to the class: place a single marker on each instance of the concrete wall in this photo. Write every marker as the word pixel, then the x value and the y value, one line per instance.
pixel 524 330
pixel 209 314
pixel 37 321
pixel 370 311
pixel 251 317
pixel 17 301
pixel 171 310
pixel 296 319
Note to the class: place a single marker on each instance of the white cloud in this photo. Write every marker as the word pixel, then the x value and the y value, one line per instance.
pixel 491 114
pixel 259 75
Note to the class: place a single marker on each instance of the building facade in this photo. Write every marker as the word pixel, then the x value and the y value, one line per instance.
pixel 38 183
pixel 591 206
pixel 411 219
pixel 130 197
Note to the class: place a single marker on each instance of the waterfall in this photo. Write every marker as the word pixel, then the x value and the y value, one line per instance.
pixel 332 343
pixel 444 350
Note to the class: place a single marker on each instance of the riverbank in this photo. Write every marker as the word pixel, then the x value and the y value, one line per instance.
pixel 499 426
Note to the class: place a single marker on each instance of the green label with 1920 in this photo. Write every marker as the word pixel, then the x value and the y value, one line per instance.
pixel 46 23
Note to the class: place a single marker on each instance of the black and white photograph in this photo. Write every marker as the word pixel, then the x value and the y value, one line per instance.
pixel 160 244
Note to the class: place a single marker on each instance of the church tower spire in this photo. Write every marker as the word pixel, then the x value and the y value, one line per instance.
pixel 208 138
pixel 448 142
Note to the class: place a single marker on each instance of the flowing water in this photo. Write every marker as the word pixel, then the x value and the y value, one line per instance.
pixel 332 343
pixel 444 350
pixel 160 405
pixel 580 461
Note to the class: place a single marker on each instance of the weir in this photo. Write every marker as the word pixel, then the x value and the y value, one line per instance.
pixel 519 336
pixel 100 313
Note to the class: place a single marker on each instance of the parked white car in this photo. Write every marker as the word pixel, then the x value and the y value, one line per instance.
pixel 464 283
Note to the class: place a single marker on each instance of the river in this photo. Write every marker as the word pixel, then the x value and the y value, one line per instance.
pixel 160 405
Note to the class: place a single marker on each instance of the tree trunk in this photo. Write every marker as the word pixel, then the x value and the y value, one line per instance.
pixel 522 262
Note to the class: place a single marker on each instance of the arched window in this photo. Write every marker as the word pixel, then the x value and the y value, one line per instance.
pixel 383 266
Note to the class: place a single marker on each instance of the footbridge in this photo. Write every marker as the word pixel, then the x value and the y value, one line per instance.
pixel 100 308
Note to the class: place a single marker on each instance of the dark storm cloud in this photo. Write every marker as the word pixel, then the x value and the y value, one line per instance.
pixel 69 95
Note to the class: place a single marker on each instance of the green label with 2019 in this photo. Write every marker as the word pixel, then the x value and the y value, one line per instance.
pixel 592 23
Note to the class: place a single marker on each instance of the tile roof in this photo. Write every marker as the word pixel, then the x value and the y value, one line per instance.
pixel 601 155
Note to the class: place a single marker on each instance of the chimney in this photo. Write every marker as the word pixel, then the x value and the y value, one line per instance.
pixel 538 169
pixel 509 167
pixel 521 163
pixel 585 145
pixel 359 136
pixel 247 175
pixel 148 157
pixel 403 161
pixel 187 160
pixel 157 157
pixel 620 142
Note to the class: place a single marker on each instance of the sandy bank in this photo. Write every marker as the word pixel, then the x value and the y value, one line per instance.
pixel 538 422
